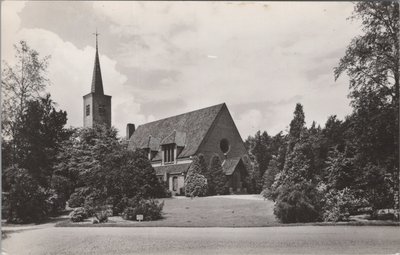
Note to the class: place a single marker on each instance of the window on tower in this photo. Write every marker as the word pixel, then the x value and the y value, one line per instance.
pixel 88 110
pixel 102 109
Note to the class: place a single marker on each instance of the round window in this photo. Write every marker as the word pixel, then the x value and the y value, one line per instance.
pixel 224 145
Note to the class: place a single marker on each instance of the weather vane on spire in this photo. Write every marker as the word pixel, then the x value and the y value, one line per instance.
pixel 96 34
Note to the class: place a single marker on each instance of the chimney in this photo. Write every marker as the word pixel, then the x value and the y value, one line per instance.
pixel 130 129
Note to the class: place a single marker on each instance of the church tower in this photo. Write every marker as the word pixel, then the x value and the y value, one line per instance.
pixel 96 105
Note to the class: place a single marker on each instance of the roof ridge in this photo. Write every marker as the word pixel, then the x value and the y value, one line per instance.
pixel 221 104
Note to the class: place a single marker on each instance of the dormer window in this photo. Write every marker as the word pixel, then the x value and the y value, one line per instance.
pixel 169 153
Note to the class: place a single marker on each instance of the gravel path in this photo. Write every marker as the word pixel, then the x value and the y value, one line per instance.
pixel 270 240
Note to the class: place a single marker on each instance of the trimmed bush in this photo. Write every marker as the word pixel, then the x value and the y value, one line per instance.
pixel 196 185
pixel 150 209
pixel 78 214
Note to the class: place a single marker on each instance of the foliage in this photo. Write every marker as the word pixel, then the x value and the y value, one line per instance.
pixel 21 83
pixel 77 199
pixel 339 204
pixel 195 182
pixel 102 216
pixel 25 200
pixel 297 203
pixel 78 214
pixel 105 172
pixel 371 62
pixel 270 173
pixel 150 209
pixel 195 185
pixel 217 183
pixel 340 170
pixel 40 133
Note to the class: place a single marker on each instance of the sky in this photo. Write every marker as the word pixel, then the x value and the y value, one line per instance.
pixel 160 59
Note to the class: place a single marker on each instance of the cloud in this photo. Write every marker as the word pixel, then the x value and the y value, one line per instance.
pixel 165 58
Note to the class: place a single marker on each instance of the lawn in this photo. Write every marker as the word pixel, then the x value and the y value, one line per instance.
pixel 219 211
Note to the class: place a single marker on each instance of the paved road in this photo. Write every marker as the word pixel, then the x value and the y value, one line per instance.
pixel 269 240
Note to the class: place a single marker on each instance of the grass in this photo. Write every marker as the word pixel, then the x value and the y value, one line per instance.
pixel 202 212
pixel 222 211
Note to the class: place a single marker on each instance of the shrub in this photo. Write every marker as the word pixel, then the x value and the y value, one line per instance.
pixel 150 209
pixel 26 200
pixel 195 185
pixel 295 204
pixel 102 216
pixel 339 204
pixel 78 214
pixel 94 202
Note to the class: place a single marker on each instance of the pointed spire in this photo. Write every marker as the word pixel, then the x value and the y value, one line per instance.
pixel 97 81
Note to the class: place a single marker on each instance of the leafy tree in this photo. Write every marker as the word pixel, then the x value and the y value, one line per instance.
pixel 21 83
pixel 217 185
pixel 104 171
pixel 340 170
pixel 372 63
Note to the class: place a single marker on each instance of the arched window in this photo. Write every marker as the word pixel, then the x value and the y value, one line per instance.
pixel 224 145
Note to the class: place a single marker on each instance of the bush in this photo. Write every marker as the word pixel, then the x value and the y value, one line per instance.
pixel 25 201
pixel 295 204
pixel 340 204
pixel 195 185
pixel 78 214
pixel 150 209
pixel 102 216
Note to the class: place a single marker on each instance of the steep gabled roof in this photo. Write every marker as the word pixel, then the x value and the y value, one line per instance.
pixel 194 125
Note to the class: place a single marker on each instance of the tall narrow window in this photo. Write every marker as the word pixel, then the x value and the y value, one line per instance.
pixel 88 110
pixel 169 153
pixel 102 109
pixel 174 183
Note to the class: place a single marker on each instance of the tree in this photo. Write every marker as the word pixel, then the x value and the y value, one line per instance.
pixel 40 133
pixel 195 182
pixel 372 63
pixel 21 83
pixel 217 185
pixel 104 172
pixel 296 126
pixel 270 173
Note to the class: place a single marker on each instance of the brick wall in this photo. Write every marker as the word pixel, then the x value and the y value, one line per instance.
pixel 223 128
pixel 95 101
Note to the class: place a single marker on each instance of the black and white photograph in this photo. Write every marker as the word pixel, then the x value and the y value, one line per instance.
pixel 200 127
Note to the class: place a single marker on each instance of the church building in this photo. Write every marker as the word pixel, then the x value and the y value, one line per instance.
pixel 171 144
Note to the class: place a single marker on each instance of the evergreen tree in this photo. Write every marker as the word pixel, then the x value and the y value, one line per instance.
pixel 217 186
pixel 195 182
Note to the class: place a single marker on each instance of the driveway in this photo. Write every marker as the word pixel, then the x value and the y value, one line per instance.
pixel 268 240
